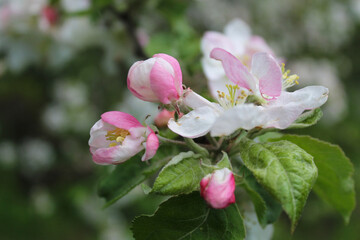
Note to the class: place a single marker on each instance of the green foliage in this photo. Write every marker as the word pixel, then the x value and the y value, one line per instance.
pixel 130 174
pixel 224 162
pixel 266 207
pixel 189 217
pixel 182 174
pixel 307 119
pixel 284 169
pixel 335 183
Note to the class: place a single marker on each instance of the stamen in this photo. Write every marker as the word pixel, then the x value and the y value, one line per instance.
pixel 288 80
pixel 118 135
pixel 230 100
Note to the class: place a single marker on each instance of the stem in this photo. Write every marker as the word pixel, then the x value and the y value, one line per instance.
pixel 235 146
pixel 196 147
pixel 220 142
pixel 211 140
pixel 163 139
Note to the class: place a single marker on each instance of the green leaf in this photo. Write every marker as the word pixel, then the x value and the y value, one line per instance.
pixel 188 217
pixel 284 169
pixel 224 162
pixel 131 173
pixel 335 183
pixel 182 174
pixel 307 119
pixel 267 208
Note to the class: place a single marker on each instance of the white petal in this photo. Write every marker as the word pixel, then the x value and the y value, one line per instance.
pixel 97 135
pixel 239 32
pixel 307 98
pixel 246 116
pixel 213 69
pixel 282 116
pixel 194 100
pixel 195 124
pixel 219 85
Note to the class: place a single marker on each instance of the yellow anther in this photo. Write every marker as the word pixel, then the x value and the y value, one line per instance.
pixel 288 80
pixel 118 135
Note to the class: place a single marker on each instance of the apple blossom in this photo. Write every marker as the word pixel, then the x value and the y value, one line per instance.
pixel 274 107
pixel 118 136
pixel 218 188
pixel 236 39
pixel 158 79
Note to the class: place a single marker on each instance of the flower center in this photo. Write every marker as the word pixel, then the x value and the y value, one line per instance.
pixel 116 136
pixel 233 98
pixel 288 80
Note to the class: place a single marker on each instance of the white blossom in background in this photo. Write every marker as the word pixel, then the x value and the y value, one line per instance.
pixel 254 231
pixel 325 25
pixel 323 72
pixel 355 8
pixel 70 110
pixel 73 94
pixel 36 156
pixel 8 154
pixel 71 6
pixel 79 32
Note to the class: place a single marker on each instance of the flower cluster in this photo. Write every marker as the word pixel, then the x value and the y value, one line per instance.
pixel 245 77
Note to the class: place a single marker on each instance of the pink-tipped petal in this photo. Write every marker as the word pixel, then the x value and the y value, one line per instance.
pixel 218 189
pixel 234 69
pixel 152 145
pixel 162 81
pixel 118 154
pixel 266 69
pixel 177 70
pixel 138 80
pixel 203 184
pixel 120 120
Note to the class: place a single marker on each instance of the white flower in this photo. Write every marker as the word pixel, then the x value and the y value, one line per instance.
pixel 274 107
pixel 238 40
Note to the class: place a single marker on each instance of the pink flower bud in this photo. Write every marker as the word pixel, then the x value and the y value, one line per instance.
pixel 50 15
pixel 158 79
pixel 163 118
pixel 118 136
pixel 218 188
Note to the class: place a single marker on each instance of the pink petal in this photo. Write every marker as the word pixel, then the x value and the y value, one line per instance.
pixel 177 70
pixel 213 40
pixel 234 69
pixel 203 184
pixel 138 80
pixel 162 82
pixel 118 154
pixel 219 190
pixel 120 120
pixel 152 145
pixel 268 72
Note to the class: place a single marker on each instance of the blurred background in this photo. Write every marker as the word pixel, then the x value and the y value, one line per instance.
pixel 64 62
